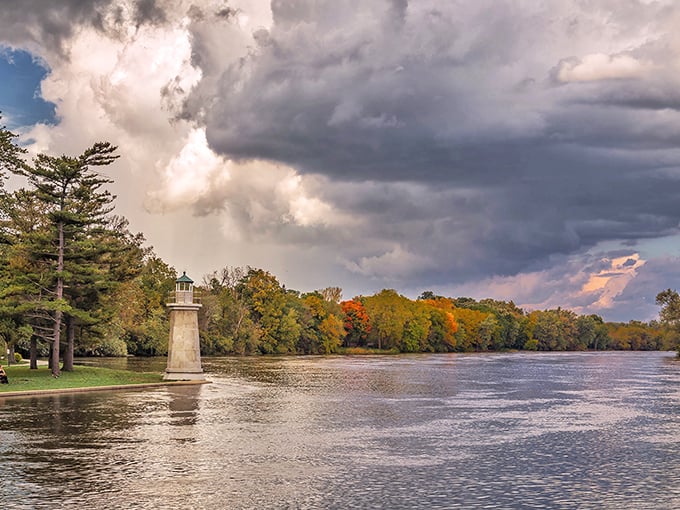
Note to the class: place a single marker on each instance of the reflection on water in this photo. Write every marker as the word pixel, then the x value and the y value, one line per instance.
pixel 572 430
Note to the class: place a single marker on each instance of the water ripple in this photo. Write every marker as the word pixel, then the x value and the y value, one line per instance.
pixel 566 431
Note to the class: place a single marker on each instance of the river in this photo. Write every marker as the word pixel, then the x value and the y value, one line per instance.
pixel 543 430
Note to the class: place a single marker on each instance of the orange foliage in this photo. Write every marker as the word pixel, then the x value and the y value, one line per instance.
pixel 357 323
pixel 447 306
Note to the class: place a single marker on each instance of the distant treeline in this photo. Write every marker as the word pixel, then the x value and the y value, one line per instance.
pixel 75 281
pixel 247 311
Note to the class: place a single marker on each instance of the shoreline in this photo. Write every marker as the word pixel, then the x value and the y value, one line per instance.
pixel 84 389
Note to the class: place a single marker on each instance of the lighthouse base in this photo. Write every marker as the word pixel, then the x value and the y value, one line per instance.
pixel 184 352
pixel 184 376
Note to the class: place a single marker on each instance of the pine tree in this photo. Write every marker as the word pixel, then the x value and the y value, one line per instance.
pixel 77 207
pixel 24 275
pixel 10 152
pixel 100 259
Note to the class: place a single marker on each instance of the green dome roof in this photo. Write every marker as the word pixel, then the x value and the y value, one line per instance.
pixel 184 278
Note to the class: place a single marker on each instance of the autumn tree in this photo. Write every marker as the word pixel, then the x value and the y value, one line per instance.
pixel 323 321
pixel 331 331
pixel 224 318
pixel 277 328
pixel 637 335
pixel 388 312
pixel 469 323
pixel 443 326
pixel 137 309
pixel 332 294
pixel 357 323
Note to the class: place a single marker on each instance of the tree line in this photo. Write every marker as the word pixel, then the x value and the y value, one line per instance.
pixel 75 281
pixel 247 311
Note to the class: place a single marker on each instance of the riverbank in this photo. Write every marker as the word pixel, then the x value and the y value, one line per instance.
pixel 26 382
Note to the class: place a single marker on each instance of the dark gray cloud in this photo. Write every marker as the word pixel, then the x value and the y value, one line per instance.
pixel 45 24
pixel 49 25
pixel 149 11
pixel 560 145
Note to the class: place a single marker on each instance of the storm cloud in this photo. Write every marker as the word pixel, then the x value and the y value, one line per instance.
pixel 40 26
pixel 516 104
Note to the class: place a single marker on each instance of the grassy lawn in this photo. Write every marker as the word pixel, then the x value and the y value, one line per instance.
pixel 23 378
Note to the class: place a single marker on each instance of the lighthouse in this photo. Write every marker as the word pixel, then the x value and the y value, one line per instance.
pixel 184 350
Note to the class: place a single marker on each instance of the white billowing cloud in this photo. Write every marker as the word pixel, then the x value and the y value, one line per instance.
pixel 266 199
pixel 190 175
pixel 599 66
pixel 305 210
pixel 252 198
pixel 111 88
pixel 129 89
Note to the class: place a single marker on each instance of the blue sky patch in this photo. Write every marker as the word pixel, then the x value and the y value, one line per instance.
pixel 20 100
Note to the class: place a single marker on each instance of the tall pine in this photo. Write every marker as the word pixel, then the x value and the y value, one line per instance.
pixel 77 206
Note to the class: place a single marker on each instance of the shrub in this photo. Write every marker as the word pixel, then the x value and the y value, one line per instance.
pixel 531 345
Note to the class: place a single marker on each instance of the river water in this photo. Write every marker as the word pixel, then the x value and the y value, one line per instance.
pixel 568 430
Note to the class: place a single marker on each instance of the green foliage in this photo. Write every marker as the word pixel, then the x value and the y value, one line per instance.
pixel 441 337
pixel 265 300
pixel 65 256
pixel 246 311
pixel 669 300
pixel 107 346
pixel 10 153
pixel 556 330
pixel 531 345
pixel 388 312
pixel 137 308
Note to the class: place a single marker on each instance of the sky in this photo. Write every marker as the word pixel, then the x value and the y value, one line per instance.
pixel 520 150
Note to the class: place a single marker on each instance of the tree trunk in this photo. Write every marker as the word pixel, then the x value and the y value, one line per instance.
pixel 54 355
pixel 34 353
pixel 10 354
pixel 59 295
pixel 68 353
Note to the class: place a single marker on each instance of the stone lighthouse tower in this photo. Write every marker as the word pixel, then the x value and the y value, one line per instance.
pixel 184 351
